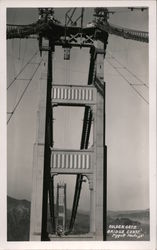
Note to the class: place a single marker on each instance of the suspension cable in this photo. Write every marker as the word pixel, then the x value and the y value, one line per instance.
pixel 17 104
pixel 130 84
pixel 21 70
pixel 128 70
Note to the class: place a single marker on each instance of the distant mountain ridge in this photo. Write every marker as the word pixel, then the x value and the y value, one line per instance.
pixel 14 202
pixel 18 220
pixel 140 215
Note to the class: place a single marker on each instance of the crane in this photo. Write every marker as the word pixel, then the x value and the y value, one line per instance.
pixel 49 27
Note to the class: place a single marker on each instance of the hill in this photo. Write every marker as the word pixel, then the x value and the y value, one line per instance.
pixel 18 219
pixel 18 222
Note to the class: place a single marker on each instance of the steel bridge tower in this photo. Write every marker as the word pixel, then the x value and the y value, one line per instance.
pixel 89 162
pixel 61 209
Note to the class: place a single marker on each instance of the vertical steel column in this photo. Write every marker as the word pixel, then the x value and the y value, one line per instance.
pixel 47 151
pixel 99 149
pixel 57 205
pixel 38 165
pixel 51 205
pixel 65 205
pixel 105 172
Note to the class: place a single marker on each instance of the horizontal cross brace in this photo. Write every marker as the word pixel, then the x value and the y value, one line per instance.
pixel 71 161
pixel 85 45
pixel 72 94
pixel 45 48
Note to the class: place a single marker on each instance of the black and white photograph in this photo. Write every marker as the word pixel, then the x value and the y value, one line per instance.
pixel 79 101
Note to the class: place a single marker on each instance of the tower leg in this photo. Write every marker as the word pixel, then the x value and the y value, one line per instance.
pixel 99 144
pixel 92 202
pixel 99 182
pixel 38 166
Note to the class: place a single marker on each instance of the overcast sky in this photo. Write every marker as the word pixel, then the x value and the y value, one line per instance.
pixel 126 112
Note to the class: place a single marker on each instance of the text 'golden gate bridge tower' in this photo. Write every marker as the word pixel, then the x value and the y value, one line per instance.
pixel 90 162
